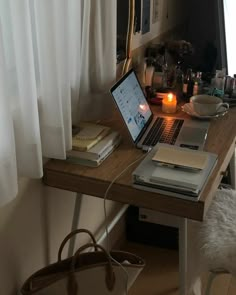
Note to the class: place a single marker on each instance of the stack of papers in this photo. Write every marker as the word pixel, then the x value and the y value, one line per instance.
pixel 175 171
pixel 92 144
pixel 89 134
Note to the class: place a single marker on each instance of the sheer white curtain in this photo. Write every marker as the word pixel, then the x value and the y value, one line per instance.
pixel 98 62
pixel 229 16
pixel 57 62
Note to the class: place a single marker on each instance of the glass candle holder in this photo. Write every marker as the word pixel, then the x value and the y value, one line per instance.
pixel 169 103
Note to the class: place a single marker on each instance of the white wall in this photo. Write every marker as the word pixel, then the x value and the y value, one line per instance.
pixel 33 226
pixel 21 237
pixel 170 14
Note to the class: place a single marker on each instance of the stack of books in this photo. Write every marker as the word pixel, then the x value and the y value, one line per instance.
pixel 175 171
pixel 92 144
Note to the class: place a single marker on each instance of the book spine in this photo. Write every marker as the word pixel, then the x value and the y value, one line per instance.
pixel 83 162
pixel 110 144
pixel 83 155
pixel 94 163
pixel 93 156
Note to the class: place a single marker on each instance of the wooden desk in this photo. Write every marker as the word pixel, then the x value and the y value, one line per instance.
pixel 95 181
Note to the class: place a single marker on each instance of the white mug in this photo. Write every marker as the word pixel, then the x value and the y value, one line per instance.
pixel 206 105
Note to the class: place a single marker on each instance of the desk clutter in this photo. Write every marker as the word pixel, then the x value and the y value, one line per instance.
pixel 92 143
pixel 165 71
pixel 175 171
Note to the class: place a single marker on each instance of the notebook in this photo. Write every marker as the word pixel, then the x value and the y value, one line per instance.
pixel 146 129
pixel 88 135
pixel 92 160
pixel 98 150
pixel 166 156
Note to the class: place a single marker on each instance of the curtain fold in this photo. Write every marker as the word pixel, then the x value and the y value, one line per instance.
pixel 98 61
pixel 75 65
pixel 229 19
pixel 24 93
pixel 7 143
pixel 58 61
pixel 54 98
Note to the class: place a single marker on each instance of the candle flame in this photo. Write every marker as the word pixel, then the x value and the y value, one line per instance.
pixel 142 107
pixel 170 97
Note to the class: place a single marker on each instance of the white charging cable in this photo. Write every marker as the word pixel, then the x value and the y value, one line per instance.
pixel 105 214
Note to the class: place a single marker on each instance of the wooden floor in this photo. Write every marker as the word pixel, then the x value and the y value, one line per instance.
pixel 160 275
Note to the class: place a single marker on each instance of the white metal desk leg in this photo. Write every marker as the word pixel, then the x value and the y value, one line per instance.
pixel 183 233
pixel 74 225
pixel 232 168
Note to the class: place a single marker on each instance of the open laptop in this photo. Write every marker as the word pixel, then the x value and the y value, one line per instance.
pixel 145 128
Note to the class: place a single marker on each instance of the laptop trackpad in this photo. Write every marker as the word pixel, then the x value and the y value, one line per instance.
pixel 191 137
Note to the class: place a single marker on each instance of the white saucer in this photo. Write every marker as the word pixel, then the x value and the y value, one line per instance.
pixel 188 109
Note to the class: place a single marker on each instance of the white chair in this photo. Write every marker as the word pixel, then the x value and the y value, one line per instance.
pixel 216 236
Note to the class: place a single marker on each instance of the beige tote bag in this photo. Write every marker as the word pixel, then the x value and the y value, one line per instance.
pixel 88 273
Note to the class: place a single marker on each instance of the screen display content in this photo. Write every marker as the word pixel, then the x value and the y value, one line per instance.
pixel 132 103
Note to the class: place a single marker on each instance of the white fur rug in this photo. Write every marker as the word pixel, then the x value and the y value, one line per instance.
pixel 217 233
pixel 213 243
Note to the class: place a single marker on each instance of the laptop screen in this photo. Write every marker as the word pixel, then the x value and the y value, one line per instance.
pixel 132 104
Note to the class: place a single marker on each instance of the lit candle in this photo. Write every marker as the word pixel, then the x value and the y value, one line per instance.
pixel 169 103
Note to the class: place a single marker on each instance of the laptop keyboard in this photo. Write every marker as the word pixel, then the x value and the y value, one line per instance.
pixel 164 130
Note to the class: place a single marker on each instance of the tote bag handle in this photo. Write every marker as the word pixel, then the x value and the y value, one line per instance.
pixel 70 235
pixel 110 275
